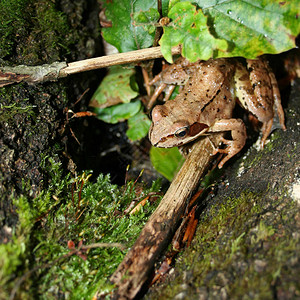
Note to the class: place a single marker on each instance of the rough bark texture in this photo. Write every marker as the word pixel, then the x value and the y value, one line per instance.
pixel 32 116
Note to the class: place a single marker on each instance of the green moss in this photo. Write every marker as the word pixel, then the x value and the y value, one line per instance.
pixel 35 32
pixel 72 209
pixel 12 20
pixel 7 112
pixel 275 137
pixel 239 252
pixel 50 35
pixel 253 159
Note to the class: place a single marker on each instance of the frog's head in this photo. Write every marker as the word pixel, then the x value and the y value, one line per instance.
pixel 170 129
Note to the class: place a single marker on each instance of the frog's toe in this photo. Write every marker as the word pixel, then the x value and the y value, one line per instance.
pixel 226 142
pixel 226 151
pixel 266 130
pixel 224 159
pixel 231 150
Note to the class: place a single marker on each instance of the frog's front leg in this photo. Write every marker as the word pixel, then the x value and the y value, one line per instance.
pixel 238 134
pixel 162 87
pixel 276 96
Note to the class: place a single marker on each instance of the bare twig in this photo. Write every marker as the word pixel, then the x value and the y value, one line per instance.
pixel 138 263
pixel 56 70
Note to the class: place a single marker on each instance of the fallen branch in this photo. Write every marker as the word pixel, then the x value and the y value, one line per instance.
pixel 136 267
pixel 56 70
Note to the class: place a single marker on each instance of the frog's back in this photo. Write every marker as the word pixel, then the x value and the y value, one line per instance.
pixel 208 80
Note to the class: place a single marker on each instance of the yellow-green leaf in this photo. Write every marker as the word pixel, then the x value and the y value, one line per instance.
pixel 138 126
pixel 189 29
pixel 166 161
pixel 115 88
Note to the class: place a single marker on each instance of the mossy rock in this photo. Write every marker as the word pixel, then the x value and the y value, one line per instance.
pixel 247 242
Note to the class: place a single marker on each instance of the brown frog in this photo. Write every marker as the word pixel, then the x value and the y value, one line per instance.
pixel 207 99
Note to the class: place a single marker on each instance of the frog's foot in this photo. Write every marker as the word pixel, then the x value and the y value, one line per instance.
pixel 277 98
pixel 266 130
pixel 238 134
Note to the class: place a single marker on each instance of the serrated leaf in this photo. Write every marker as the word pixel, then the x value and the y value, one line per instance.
pixel 251 28
pixel 115 88
pixel 138 126
pixel 119 112
pixel 124 34
pixel 189 29
pixel 167 161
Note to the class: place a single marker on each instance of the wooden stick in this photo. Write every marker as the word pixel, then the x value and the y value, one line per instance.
pixel 56 70
pixel 135 268
pixel 114 59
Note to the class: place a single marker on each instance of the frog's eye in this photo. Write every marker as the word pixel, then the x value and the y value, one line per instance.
pixel 182 132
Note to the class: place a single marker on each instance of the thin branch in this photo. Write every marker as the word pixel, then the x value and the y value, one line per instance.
pixel 56 70
pixel 135 268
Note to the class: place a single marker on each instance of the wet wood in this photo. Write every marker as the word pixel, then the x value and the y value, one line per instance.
pixel 136 267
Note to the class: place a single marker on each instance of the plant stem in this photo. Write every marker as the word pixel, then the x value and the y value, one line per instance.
pixel 56 70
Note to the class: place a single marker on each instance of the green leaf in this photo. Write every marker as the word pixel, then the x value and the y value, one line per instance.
pixel 165 5
pixel 254 27
pixel 138 126
pixel 166 161
pixel 124 34
pixel 189 29
pixel 251 28
pixel 119 112
pixel 147 19
pixel 114 88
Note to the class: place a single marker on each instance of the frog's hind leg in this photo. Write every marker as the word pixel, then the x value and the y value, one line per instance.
pixel 276 97
pixel 267 126
pixel 238 134
pixel 266 130
pixel 171 75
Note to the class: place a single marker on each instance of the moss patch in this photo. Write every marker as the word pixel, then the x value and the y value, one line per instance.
pixel 12 21
pixel 33 32
pixel 247 243
pixel 240 251
pixel 29 117
pixel 36 262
